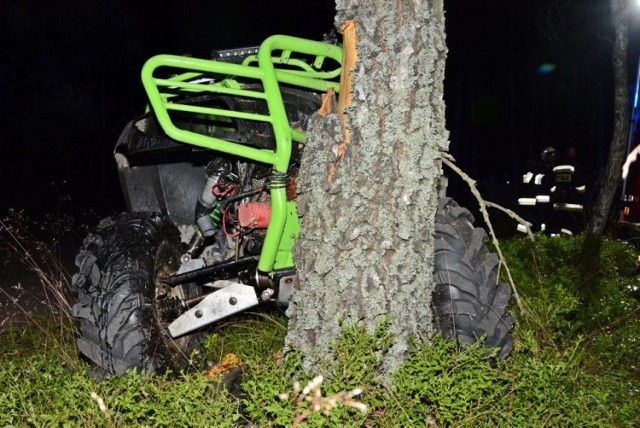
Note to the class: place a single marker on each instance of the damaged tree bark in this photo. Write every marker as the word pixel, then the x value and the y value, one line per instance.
pixel 368 187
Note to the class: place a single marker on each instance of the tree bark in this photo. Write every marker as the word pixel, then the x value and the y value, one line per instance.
pixel 368 184
pixel 600 211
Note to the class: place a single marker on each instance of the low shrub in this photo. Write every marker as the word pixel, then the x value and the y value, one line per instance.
pixel 44 383
pixel 575 363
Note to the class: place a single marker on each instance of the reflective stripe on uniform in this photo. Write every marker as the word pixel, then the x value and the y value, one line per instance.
pixel 538 179
pixel 581 189
pixel 543 199
pixel 522 228
pixel 566 231
pixel 526 178
pixel 563 168
pixel 568 207
pixel 527 201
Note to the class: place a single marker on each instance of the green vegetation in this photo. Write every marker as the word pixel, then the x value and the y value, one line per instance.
pixel 575 363
pixel 43 387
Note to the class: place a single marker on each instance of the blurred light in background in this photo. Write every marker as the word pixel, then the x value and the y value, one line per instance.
pixel 547 68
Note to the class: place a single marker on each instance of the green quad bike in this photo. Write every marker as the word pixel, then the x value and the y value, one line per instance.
pixel 208 175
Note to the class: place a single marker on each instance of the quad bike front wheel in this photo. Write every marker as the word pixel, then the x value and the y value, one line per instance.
pixel 469 304
pixel 119 289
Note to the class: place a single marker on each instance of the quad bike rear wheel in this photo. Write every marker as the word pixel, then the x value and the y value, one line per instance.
pixel 118 290
pixel 468 302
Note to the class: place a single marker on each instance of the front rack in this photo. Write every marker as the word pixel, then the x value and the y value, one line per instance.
pixel 281 60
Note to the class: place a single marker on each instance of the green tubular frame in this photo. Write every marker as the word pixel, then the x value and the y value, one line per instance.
pixel 270 71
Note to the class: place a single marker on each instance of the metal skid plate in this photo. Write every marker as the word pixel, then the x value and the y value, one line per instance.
pixel 231 299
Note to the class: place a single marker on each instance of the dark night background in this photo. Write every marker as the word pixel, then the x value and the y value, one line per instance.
pixel 70 82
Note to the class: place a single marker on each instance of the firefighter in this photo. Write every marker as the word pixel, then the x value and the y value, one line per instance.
pixel 567 194
pixel 535 201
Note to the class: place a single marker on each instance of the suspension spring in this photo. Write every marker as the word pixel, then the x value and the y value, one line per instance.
pixel 216 214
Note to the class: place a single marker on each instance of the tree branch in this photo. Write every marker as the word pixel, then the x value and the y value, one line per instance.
pixel 449 161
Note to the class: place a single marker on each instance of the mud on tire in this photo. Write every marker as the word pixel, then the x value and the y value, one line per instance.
pixel 118 268
pixel 468 302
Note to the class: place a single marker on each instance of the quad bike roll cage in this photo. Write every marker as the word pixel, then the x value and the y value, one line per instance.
pixel 300 63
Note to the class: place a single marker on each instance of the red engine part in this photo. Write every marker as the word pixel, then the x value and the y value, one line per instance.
pixel 254 215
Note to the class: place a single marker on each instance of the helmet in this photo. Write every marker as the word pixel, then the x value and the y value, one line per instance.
pixel 547 151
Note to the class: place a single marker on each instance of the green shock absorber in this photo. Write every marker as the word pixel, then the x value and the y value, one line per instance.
pixel 216 214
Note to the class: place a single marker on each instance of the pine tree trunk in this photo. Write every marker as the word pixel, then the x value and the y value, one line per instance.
pixel 599 213
pixel 368 183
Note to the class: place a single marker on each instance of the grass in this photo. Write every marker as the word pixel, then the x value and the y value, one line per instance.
pixel 575 363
